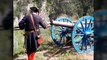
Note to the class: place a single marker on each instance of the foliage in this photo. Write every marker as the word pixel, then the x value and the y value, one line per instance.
pixel 18 42
pixel 69 7
pixel 38 2
pixel 20 7
pixel 58 7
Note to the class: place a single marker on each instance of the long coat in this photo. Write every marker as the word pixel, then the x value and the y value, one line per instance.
pixel 31 43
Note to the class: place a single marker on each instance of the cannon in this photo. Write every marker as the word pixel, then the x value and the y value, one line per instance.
pixel 81 33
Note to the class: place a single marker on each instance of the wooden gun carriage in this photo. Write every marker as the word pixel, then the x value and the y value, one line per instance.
pixel 81 32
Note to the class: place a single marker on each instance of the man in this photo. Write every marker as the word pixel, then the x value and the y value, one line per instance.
pixel 31 43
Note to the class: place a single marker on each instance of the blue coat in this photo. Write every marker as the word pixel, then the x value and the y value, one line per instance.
pixel 31 43
pixel 26 22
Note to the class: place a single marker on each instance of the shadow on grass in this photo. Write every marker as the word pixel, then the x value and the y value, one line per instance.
pixel 51 49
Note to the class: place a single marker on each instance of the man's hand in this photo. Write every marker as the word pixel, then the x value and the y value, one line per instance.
pixel 48 25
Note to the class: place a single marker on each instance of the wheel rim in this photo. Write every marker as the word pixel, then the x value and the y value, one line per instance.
pixel 59 33
pixel 82 35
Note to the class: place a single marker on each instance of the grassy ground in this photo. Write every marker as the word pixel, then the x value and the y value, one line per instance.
pixel 18 42
pixel 48 50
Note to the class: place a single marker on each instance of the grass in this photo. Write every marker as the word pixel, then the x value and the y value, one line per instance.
pixel 18 42
pixel 48 50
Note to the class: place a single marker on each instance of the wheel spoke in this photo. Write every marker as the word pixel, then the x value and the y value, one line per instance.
pixel 85 24
pixel 92 33
pixel 60 38
pixel 82 45
pixel 82 26
pixel 86 43
pixel 60 27
pixel 79 34
pixel 80 30
pixel 63 20
pixel 89 24
pixel 91 27
pixel 67 21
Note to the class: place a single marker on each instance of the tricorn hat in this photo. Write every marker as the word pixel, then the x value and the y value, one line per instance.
pixel 34 9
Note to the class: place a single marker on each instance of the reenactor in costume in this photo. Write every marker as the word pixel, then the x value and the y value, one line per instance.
pixel 31 43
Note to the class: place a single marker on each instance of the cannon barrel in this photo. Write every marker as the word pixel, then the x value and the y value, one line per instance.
pixel 65 24
pixel 82 33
